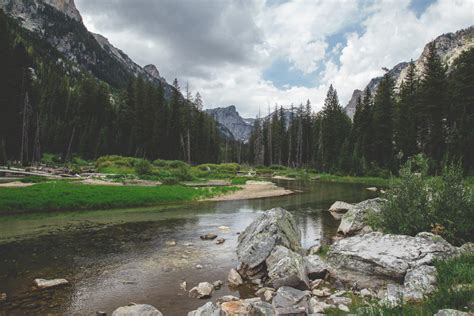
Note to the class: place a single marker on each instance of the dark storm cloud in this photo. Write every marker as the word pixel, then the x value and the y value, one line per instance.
pixel 193 32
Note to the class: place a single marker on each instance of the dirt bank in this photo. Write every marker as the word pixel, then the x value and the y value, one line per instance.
pixel 253 190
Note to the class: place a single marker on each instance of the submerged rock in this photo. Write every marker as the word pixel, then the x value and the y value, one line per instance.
pixel 137 310
pixel 355 220
pixel 286 268
pixel 208 309
pixel 44 284
pixel 290 301
pixel 338 208
pixel 208 236
pixel 203 290
pixel 274 227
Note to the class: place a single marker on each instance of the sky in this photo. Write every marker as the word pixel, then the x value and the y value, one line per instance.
pixel 256 54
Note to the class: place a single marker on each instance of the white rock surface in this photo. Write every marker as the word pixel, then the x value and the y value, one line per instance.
pixel 137 310
pixel 43 283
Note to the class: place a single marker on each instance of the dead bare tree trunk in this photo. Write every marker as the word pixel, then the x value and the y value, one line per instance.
pixel 25 129
pixel 37 145
pixel 188 138
pixel 69 147
pixel 183 146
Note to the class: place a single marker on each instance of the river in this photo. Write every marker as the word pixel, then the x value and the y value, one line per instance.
pixel 115 257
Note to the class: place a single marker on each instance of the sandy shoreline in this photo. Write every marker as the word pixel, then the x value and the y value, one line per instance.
pixel 253 190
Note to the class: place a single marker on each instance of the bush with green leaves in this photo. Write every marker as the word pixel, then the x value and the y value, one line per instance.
pixel 143 167
pixel 443 205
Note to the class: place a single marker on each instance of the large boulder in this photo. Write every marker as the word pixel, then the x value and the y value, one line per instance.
pixel 274 227
pixel 339 208
pixel 419 282
pixel 290 301
pixel 286 268
pixel 137 310
pixel 203 290
pixel 234 278
pixel 355 220
pixel 208 309
pixel 388 256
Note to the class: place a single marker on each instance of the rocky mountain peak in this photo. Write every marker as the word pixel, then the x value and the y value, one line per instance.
pixel 152 71
pixel 231 120
pixel 68 7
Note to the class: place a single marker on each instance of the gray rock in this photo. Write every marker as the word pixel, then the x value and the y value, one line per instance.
pixel 291 301
pixel 315 267
pixel 467 248
pixel 450 312
pixel 419 282
pixel 203 290
pixel 274 227
pixel 338 209
pixel 208 309
pixel 262 309
pixel 240 307
pixel 393 295
pixel 343 308
pixel 354 221
pixel 388 256
pixel 286 268
pixel 44 284
pixel 217 284
pixel 316 306
pixel 137 310
pixel 314 250
pixel 336 300
pixel 234 278
pixel 226 298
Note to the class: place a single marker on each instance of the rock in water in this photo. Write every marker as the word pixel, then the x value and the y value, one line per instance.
pixel 43 284
pixel 203 290
pixel 274 227
pixel 286 268
pixel 290 301
pixel 315 267
pixel 208 309
pixel 137 310
pixel 208 236
pixel 234 278
pixel 338 208
pixel 388 256
pixel 355 219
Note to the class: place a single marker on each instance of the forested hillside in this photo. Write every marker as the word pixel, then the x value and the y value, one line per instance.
pixel 431 114
pixel 51 104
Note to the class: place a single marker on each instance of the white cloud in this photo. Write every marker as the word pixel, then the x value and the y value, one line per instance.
pixel 223 47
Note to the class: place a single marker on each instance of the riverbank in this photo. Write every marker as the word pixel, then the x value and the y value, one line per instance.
pixel 70 196
pixel 253 190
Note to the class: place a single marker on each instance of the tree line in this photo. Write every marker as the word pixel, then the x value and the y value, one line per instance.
pixel 431 113
pixel 47 107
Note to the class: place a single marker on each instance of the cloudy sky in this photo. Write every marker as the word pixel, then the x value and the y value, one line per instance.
pixel 255 53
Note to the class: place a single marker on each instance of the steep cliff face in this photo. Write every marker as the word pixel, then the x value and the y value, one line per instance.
pixel 230 119
pixel 448 46
pixel 60 24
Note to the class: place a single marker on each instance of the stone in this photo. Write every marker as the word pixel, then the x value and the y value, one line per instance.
pixel 217 284
pixel 170 243
pixel 224 228
pixel 291 301
pixel 393 295
pixel 354 221
pixel 234 278
pixel 373 189
pixel 324 292
pixel 385 256
pixel 3 297
pixel 226 298
pixel 316 283
pixel 343 308
pixel 240 307
pixel 366 293
pixel 450 312
pixel 44 284
pixel 316 306
pixel 274 227
pixel 338 209
pixel 262 309
pixel 220 241
pixel 315 267
pixel 183 286
pixel 203 290
pixel 137 310
pixel 336 300
pixel 418 283
pixel 286 268
pixel 198 266
pixel 467 248
pixel 208 309
pixel 208 236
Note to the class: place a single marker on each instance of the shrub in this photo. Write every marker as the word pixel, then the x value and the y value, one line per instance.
pixel 143 167
pixel 182 173
pixel 416 203
pixel 277 167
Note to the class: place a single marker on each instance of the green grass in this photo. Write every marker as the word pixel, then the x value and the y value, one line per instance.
pixel 451 274
pixel 67 196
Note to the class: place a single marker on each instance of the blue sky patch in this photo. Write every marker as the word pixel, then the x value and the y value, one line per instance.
pixel 420 6
pixel 283 75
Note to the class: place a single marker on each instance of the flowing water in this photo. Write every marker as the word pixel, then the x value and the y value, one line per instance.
pixel 115 257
